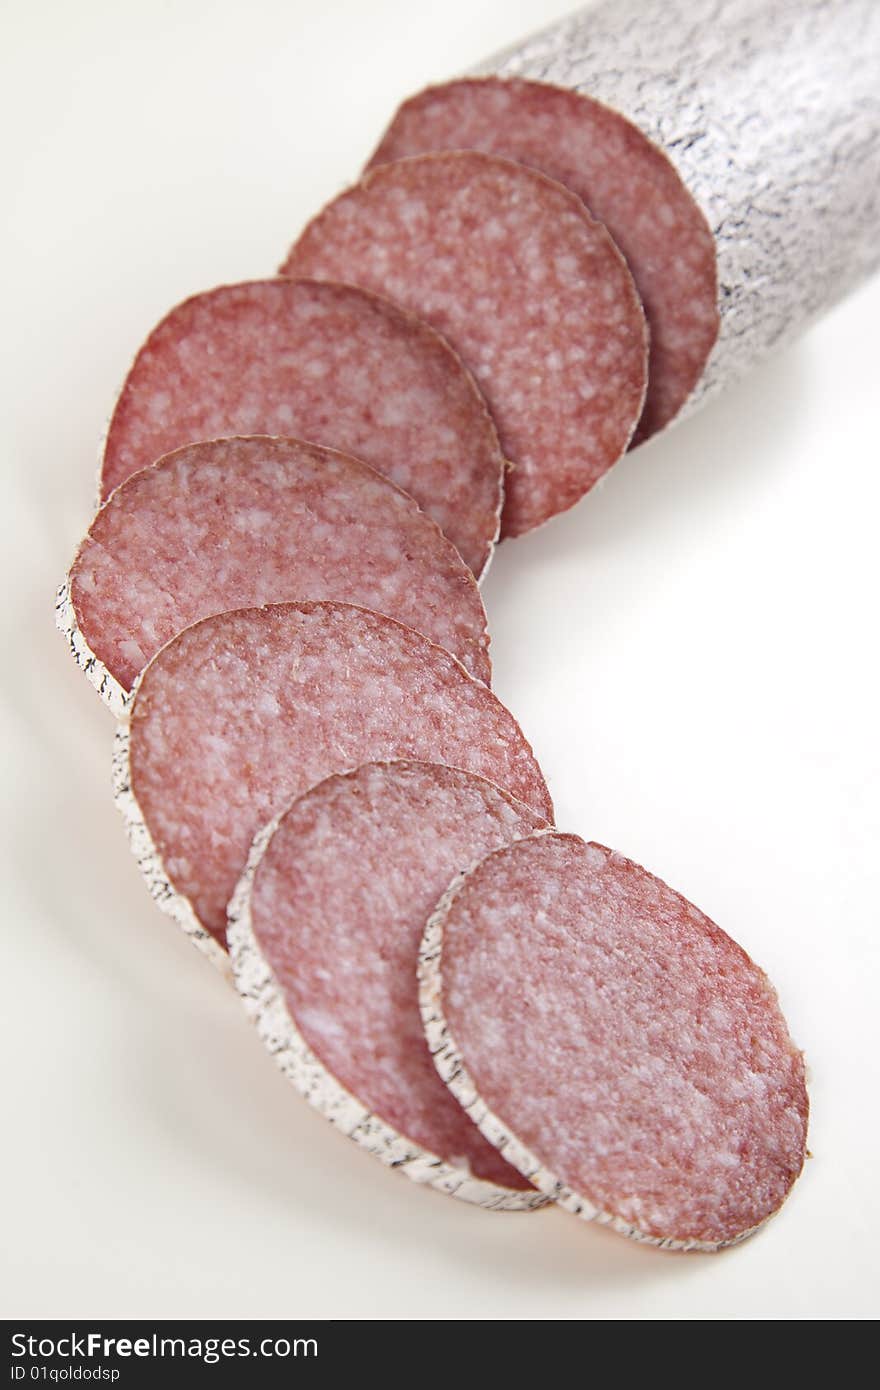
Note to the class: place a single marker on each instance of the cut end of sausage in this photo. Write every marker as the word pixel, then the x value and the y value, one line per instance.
pixel 625 180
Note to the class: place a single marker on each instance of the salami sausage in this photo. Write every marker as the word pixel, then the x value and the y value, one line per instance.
pixel 770 112
pixel 235 523
pixel 246 710
pixel 626 181
pixel 528 288
pixel 324 935
pixel 328 363
pixel 623 1052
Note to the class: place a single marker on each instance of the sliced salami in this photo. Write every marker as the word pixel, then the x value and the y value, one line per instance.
pixel 528 288
pixel 246 710
pixel 328 363
pixel 324 936
pixel 235 523
pixel 626 181
pixel 620 1050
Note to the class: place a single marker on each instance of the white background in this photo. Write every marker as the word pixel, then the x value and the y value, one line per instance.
pixel 693 652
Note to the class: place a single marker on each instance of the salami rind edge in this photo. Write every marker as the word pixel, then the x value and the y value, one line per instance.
pixel 244 671
pixel 770 112
pixel 233 523
pixel 165 895
pixel 452 1064
pixel 264 1001
pixel 109 689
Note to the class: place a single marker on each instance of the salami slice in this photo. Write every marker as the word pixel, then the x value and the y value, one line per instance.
pixel 626 181
pixel 235 523
pixel 622 1052
pixel 324 935
pixel 246 710
pixel 328 363
pixel 528 288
